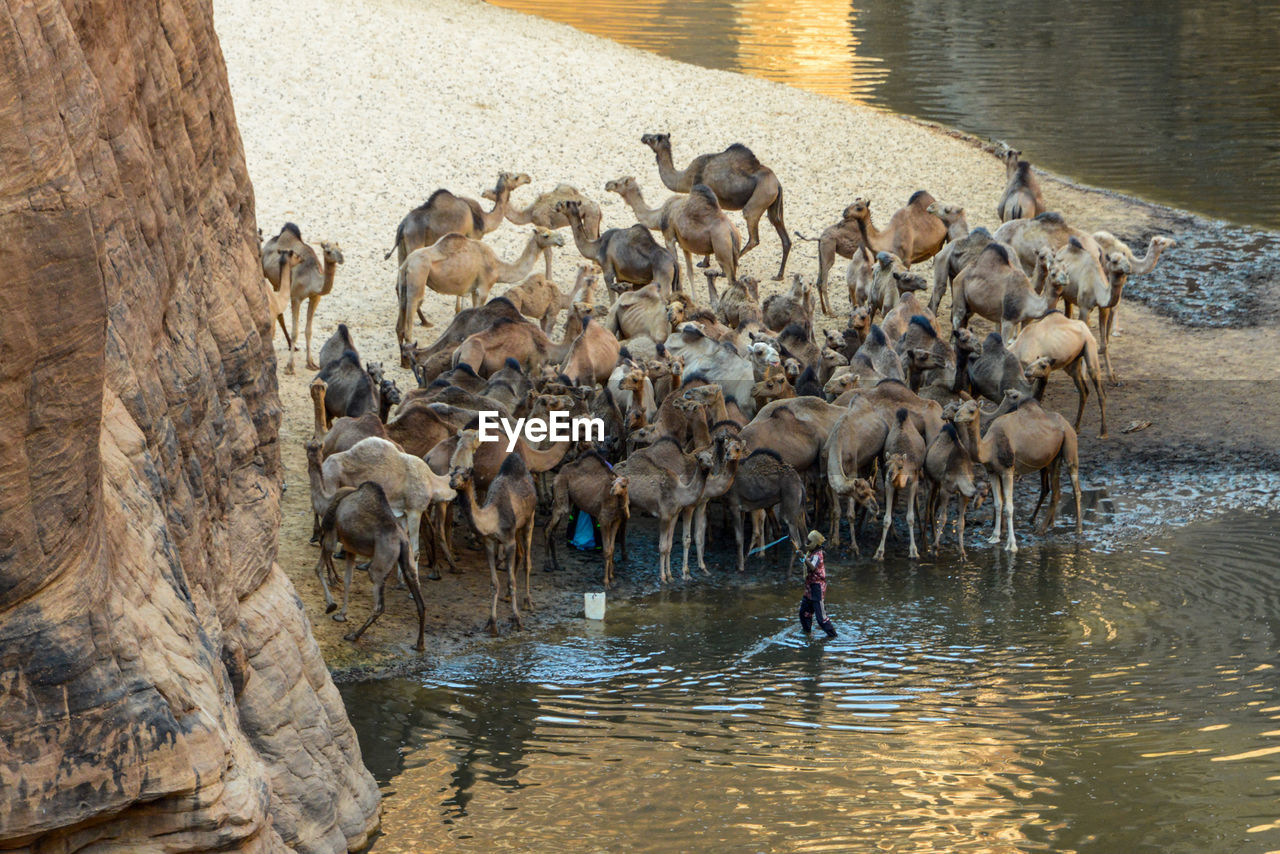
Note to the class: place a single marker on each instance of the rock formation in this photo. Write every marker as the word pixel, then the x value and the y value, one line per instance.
pixel 159 685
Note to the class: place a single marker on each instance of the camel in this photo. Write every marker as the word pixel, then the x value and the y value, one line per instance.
pixel 904 451
pixel 796 428
pixel 1046 231
pixel 464 324
pixel 907 308
pixel 484 459
pixel 843 239
pixel 593 354
pixel 764 359
pixel 913 234
pixel 987 369
pixel 641 312
pixel 505 522
pixel 444 213
pixel 278 298
pixel 655 219
pixel 455 265
pixel 538 297
pixel 1022 197
pixel 307 279
pixel 877 350
pixel 723 458
pixel 628 255
pixel 950 471
pixel 1030 438
pixel 657 490
pixel 795 342
pixel 629 385
pixel 1057 342
pixel 349 389
pixel 763 482
pixel 1109 243
pixel 489 349
pixel 409 483
pixel 719 362
pixel 589 484
pixel 794 306
pixel 858 434
pixel 994 287
pixel 775 386
pixel 698 225
pixel 1118 271
pixel 362 521
pixel 543 213
pixel 739 181
pixel 739 305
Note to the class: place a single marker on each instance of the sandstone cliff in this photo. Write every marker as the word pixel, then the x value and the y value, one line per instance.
pixel 159 685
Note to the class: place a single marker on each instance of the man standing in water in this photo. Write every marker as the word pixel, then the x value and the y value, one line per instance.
pixel 815 587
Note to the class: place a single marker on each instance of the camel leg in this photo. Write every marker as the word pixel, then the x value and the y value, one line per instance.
pixel 490 548
pixel 1073 470
pixel 826 258
pixel 936 509
pixel 751 213
pixel 549 540
pixel 311 313
pixel 737 538
pixel 834 537
pixel 1096 378
pixel 775 218
pixel 1104 341
pixel 295 307
pixel 379 602
pixel 852 513
pixel 528 565
pixel 1082 390
pixel 341 616
pixel 1006 478
pixel 912 552
pixel 329 605
pixel 1055 494
pixel 687 517
pixel 688 264
pixel 996 530
pixel 415 590
pixel 513 556
pixel 610 535
pixel 963 504
pixel 888 518
pixel 1044 490
pixel 288 342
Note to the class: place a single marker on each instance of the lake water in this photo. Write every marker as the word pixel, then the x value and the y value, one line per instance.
pixel 1173 100
pixel 1066 699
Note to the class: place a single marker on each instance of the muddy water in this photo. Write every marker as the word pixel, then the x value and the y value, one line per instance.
pixel 1174 100
pixel 1067 699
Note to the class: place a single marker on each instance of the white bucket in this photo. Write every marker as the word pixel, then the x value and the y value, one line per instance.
pixel 593 605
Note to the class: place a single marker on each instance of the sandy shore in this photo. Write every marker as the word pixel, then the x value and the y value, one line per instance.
pixel 357 113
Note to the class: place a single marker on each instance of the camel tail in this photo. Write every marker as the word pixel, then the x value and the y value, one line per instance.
pixel 406 568
pixel 399 238
pixel 800 236
pixel 1091 361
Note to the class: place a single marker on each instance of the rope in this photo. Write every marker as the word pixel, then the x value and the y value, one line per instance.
pixel 771 545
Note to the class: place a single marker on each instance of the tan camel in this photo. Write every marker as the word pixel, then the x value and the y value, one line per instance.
pixel 278 299
pixel 504 522
pixel 655 219
pixel 1109 243
pixel 950 471
pixel 362 521
pixel 1030 438
pixel 844 238
pixel 641 312
pixel 456 265
pixel 722 458
pixel 904 451
pixel 739 305
pixel 589 484
pixel 1022 197
pixel 908 306
pixel 1057 342
pixel 308 281
pixel 739 181
pixel 628 255
pixel 484 459
pixel 994 287
pixel 656 489
pixel 444 213
pixel 593 354
pixel 487 351
pixel 543 212
pixel 699 226
pixel 1046 231
pixel 857 435
pixel 913 234
pixel 539 298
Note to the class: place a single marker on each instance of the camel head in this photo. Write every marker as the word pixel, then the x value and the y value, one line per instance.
pixel 792 369
pixel 390 392
pixel 1039 369
pixel 634 420
pixel 675 312
pixel 889 261
pixel 633 380
pixel 657 141
pixel 545 238
pixel 899 471
pixel 967 412
pixel 374 370
pixel 773 387
pixel 318 388
pixel 833 358
pixel 618 489
pixel 510 180
pixel 908 282
pixel 749 284
pixel 838 385
pixel 622 186
pixel 464 452
pixel 734 448
pixel 704 395
pixel 923 360
pixel 764 354
pixel 863 492
pixel 644 437
pixel 964 339
pixel 570 209
pixel 859 209
pixel 833 338
pixel 1118 264
pixel 1010 155
pixel 860 319
pixel 1013 398
pixel 332 252
pixel 947 213
pixel 289 258
pixel 313 452
pixel 979 490
pixel 686 404
pixel 1161 243
pixel 460 478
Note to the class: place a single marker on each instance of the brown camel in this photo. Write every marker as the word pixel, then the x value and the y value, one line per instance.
pixel 723 458
pixel 1022 197
pixel 307 279
pixel 278 299
pixel 904 451
pixel 455 265
pixel 950 471
pixel 589 484
pixel 859 436
pixel 844 239
pixel 628 255
pixel 1030 438
pixel 663 482
pixel 487 351
pixel 641 312
pixel 764 482
pixel 444 213
pixel 656 219
pixel 739 305
pixel 699 226
pixel 1057 342
pixel 994 287
pixel 539 298
pixel 593 354
pixel 505 522
pixel 739 181
pixel 913 234
pixel 362 521
pixel 907 307
pixel 484 459
pixel 793 306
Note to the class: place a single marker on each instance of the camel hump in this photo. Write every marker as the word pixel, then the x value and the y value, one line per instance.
pixel 980 231
pixel 765 452
pixel 1051 217
pixel 921 198
pixel 705 193
pixel 441 194
pixel 292 229
pixel 901 415
pixel 793 330
pixel 747 155
pixel 695 377
pixel 466 369
pixel 876 336
pixel 512 364
pixel 513 466
pixel 949 430
pixel 993 340
pixel 925 326
pixel 999 251
pixel 1075 243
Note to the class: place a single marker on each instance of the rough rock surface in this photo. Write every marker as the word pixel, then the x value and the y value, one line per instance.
pixel 159 684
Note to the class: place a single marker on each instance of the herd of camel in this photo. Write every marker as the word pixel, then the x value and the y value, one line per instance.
pixel 731 400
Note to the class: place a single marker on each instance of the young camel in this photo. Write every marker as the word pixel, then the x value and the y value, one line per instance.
pixel 505 522
pixel 844 239
pixel 950 471
pixel 913 234
pixel 723 458
pixel 593 354
pixel 1022 197
pixel 794 306
pixel 362 521
pixel 455 265
pixel 628 255
pixel 663 482
pixel 1119 271
pixel 589 484
pixel 904 451
pixel 1030 438
pixel 637 313
pixel 698 225
pixel 278 298
pixel 739 181
pixel 538 298
pixel 307 280
pixel 858 435
pixel 764 482
pixel 1057 342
